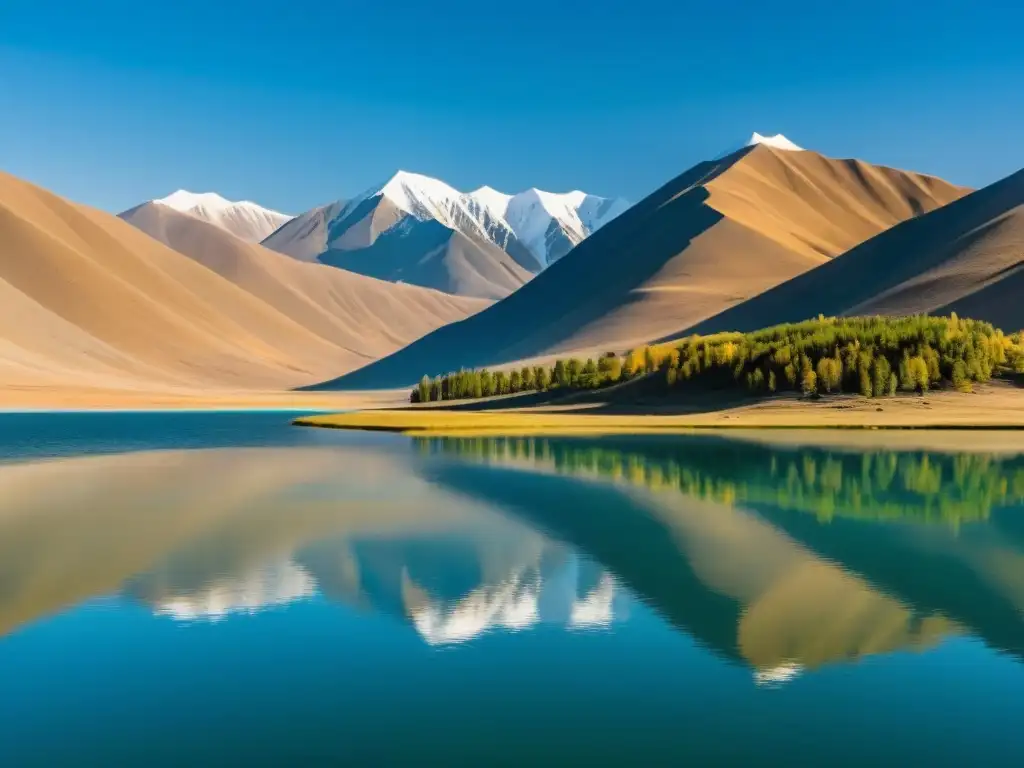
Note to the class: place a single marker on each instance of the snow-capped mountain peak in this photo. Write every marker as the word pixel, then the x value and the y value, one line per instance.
pixel 184 201
pixel 422 196
pixel 548 224
pixel 778 141
pixel 533 228
pixel 244 218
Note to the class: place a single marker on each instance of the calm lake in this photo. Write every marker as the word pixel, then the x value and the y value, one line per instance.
pixel 188 589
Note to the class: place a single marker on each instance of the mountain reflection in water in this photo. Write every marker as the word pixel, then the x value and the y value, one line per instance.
pixel 780 560
pixel 202 535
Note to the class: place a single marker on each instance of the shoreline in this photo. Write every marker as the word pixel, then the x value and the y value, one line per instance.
pixel 642 428
pixel 996 409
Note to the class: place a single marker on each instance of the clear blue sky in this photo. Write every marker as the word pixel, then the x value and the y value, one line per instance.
pixel 293 104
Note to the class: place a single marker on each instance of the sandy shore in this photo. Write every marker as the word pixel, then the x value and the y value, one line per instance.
pixel 84 399
pixel 996 408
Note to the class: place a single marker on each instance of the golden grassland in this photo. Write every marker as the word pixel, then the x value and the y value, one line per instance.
pixel 994 407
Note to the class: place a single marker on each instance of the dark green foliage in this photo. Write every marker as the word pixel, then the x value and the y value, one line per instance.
pixel 872 356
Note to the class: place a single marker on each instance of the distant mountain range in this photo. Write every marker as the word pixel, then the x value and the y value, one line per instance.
pixel 419 230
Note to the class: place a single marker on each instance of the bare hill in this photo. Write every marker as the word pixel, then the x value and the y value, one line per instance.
pixel 87 298
pixel 305 237
pixel 966 257
pixel 722 232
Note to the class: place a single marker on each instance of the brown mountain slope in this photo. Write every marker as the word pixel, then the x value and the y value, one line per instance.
pixel 717 235
pixel 87 299
pixel 359 314
pixel 430 254
pixel 966 257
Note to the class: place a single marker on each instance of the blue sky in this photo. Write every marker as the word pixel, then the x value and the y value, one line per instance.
pixel 296 104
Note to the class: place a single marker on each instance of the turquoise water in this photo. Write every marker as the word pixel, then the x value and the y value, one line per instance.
pixel 226 589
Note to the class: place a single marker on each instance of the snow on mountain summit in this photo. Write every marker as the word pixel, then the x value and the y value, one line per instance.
pixel 548 224
pixel 184 201
pixel 422 196
pixel 778 141
pixel 244 219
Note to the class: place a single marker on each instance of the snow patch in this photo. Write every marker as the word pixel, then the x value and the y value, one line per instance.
pixel 244 218
pixel 184 201
pixel 778 141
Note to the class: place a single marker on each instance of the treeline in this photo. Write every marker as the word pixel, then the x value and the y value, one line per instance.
pixel 570 374
pixel 871 356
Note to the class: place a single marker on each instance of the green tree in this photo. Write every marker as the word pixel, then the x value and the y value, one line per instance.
pixel 634 364
pixel 650 360
pixel 610 368
pixel 919 373
pixel 809 382
pixel 500 383
pixel 560 374
pixel 541 378
pixel 574 368
pixel 864 381
pixel 424 390
pixel 959 376
pixel 589 376
pixel 907 381
pixel 829 374
pixel 527 378
pixel 881 372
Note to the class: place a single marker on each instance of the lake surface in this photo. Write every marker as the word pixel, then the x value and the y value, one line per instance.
pixel 195 589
